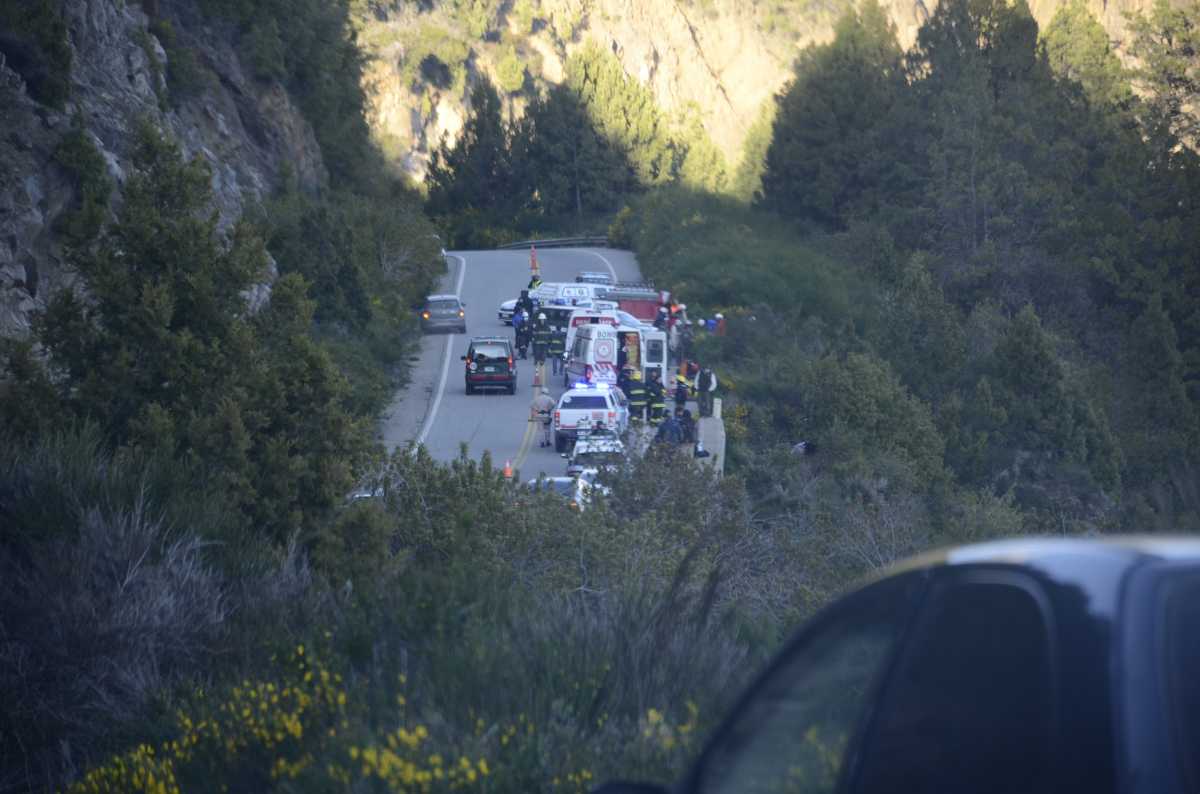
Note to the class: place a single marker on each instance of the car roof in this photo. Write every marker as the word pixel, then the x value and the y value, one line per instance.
pixel 1095 566
pixel 1029 551
pixel 441 297
pixel 503 339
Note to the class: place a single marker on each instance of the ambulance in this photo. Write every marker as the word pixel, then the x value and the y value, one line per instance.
pixel 601 350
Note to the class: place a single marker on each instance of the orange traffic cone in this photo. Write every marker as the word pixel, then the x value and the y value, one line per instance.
pixel 508 470
pixel 537 374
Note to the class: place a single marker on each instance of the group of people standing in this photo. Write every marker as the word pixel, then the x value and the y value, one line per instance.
pixel 682 331
pixel 535 331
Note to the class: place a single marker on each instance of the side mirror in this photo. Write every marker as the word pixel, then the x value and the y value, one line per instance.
pixel 627 787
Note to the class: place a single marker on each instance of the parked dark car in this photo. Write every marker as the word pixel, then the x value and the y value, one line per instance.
pixel 490 364
pixel 1035 666
pixel 444 313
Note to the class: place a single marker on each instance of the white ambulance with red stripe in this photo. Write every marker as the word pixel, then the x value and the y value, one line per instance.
pixel 599 352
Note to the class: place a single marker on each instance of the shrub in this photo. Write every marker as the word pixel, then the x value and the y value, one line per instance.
pixel 80 158
pixel 103 604
pixel 186 76
pixel 33 39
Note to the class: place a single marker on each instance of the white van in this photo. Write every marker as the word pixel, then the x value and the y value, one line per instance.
pixel 600 351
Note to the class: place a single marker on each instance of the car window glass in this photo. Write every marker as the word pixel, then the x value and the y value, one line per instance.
pixel 583 401
pixel 654 350
pixel 446 304
pixel 970 705
pixel 486 352
pixel 1182 633
pixel 793 733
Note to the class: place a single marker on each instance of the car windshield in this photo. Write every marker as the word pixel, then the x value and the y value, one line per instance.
pixel 487 352
pixel 598 458
pixel 443 304
pixel 584 401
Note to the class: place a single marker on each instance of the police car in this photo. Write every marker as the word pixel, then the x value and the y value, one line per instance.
pixel 594 452
pixel 587 408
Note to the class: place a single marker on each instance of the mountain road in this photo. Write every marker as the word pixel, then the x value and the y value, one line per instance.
pixel 434 409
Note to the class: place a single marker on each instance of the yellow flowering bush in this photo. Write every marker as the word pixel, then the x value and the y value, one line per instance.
pixel 304 731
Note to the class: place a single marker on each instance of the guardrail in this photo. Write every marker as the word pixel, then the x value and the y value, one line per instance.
pixel 558 242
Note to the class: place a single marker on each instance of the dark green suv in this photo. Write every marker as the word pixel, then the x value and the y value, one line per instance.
pixel 490 364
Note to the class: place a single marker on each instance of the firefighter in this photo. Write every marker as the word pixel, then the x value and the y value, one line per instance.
pixel 521 332
pixel 623 378
pixel 541 338
pixel 681 391
pixel 558 347
pixel 524 302
pixel 656 397
pixel 636 392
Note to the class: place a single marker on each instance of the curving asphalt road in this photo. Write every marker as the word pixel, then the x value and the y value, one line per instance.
pixel 434 408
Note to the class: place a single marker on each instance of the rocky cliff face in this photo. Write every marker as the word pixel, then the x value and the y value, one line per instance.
pixel 726 56
pixel 246 130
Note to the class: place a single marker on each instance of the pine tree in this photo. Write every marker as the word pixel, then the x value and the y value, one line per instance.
pixel 1167 42
pixel 624 112
pixel 819 164
pixel 747 179
pixel 475 173
pixel 1079 50
pixel 564 161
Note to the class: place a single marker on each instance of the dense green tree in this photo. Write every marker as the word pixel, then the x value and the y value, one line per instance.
pixel 624 112
pixel 475 173
pixel 1167 43
pixel 163 357
pixel 563 163
pixel 820 165
pixel 703 165
pixel 747 178
pixel 1160 423
pixel 1079 50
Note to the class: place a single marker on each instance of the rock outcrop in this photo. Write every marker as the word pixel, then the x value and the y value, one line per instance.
pixel 248 131
pixel 725 56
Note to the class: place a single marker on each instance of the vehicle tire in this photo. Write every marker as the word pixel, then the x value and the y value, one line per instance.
pixel 462 329
pixel 470 389
pixel 559 444
pixel 512 388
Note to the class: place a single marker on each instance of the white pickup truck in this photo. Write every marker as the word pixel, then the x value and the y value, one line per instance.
pixel 587 408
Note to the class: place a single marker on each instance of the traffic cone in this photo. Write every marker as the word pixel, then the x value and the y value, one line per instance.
pixel 508 473
pixel 537 375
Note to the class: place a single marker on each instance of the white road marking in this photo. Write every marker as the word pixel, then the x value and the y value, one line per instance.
pixel 441 389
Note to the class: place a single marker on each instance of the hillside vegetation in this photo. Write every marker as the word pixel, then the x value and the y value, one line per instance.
pixel 963 272
pixel 970 273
